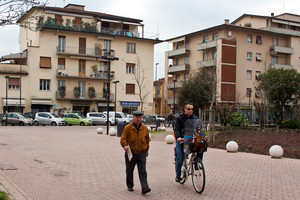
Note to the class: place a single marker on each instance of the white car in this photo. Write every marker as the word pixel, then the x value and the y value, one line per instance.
pixel 46 118
pixel 99 118
pixel 120 117
pixel 156 117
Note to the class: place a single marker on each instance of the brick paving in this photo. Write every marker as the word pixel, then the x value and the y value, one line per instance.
pixel 40 163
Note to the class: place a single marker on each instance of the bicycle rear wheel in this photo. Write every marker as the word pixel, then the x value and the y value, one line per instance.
pixel 198 176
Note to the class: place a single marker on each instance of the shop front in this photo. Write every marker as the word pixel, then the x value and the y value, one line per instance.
pixel 41 104
pixel 129 106
pixel 102 107
pixel 13 105
pixel 81 107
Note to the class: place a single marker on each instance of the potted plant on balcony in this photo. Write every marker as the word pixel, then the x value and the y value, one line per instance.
pixel 76 91
pixel 91 92
pixel 105 93
pixel 62 91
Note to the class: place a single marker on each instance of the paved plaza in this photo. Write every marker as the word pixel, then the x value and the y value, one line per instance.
pixel 74 163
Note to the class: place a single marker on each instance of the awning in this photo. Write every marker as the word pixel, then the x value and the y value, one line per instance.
pixel 42 102
pixel 105 104
pixel 82 58
pixel 13 102
pixel 109 20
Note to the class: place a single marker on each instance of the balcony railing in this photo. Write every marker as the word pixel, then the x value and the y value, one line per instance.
pixel 178 84
pixel 7 68
pixel 178 68
pixel 178 52
pixel 280 49
pixel 206 63
pixel 92 52
pixel 98 96
pixel 284 66
pixel 207 45
pixel 87 74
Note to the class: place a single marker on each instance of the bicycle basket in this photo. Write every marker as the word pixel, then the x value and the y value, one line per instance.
pixel 199 147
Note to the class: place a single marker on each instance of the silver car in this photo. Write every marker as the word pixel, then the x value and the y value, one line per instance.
pixel 16 119
pixel 99 118
pixel 46 118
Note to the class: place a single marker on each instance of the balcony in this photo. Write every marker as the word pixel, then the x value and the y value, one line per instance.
pixel 7 68
pixel 278 49
pixel 93 53
pixel 84 97
pixel 284 66
pixel 177 85
pixel 87 74
pixel 178 68
pixel 178 52
pixel 206 63
pixel 206 45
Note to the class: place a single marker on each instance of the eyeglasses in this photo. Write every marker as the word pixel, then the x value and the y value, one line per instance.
pixel 190 108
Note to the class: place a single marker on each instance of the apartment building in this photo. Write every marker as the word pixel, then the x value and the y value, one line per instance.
pixel 159 98
pixel 69 57
pixel 237 53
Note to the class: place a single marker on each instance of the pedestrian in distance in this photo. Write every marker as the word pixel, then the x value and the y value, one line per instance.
pixel 135 142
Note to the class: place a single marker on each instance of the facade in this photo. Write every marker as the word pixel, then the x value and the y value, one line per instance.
pixel 69 57
pixel 159 98
pixel 237 53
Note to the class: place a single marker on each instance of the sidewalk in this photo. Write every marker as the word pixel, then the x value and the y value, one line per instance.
pixel 40 163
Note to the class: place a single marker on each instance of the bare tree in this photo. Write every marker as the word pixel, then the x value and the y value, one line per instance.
pixel 12 10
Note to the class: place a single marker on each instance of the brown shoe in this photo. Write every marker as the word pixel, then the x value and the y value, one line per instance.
pixel 130 189
pixel 146 190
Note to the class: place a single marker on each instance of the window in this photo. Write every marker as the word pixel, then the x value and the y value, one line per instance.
pixel 45 85
pixel 205 38
pixel 274 41
pixel 249 56
pixel 177 77
pixel 58 19
pixel 274 60
pixel 293 28
pixel 258 39
pixel 45 62
pixel 81 66
pixel 248 92
pixel 214 55
pixel 61 44
pixel 257 73
pixel 279 25
pixel 205 56
pixel 130 88
pixel 13 83
pixel 130 48
pixel 258 57
pixel 61 83
pixel 186 76
pixel 257 94
pixel 130 68
pixel 187 60
pixel 177 61
pixel 215 36
pixel 249 74
pixel 249 38
pixel 78 21
pixel 61 63
pixel 107 45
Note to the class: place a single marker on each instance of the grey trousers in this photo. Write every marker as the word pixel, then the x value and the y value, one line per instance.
pixel 140 161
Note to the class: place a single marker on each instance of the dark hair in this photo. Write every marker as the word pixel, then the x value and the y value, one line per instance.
pixel 188 103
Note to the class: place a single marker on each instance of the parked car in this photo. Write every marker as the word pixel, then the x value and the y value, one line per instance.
pixel 99 118
pixel 30 115
pixel 46 118
pixel 120 116
pixel 76 119
pixel 16 119
pixel 156 117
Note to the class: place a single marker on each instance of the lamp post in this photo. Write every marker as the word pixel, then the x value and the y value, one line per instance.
pixel 20 80
pixel 156 71
pixel 115 82
pixel 174 97
pixel 6 106
pixel 109 58
pixel 250 91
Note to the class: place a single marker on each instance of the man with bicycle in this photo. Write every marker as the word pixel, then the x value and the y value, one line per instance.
pixel 179 131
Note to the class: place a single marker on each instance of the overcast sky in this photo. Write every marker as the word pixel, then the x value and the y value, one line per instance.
pixel 168 18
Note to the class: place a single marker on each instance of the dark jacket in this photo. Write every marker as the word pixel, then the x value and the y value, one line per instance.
pixel 179 124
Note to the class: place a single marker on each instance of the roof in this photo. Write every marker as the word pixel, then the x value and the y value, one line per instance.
pixel 248 15
pixel 82 12
pixel 14 56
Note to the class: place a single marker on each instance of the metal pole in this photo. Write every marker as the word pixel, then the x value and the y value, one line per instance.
pixel 108 96
pixel 174 97
pixel 156 71
pixel 250 91
pixel 115 82
pixel 6 106
pixel 20 81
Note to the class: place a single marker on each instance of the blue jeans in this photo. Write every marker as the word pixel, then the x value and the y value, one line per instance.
pixel 180 157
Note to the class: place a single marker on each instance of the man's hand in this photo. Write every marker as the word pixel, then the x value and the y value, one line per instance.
pixel 179 139
pixel 125 148
pixel 147 153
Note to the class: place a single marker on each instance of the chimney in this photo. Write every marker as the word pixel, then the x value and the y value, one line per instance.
pixel 272 14
pixel 75 7
pixel 226 21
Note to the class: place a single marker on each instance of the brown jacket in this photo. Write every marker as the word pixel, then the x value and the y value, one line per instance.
pixel 138 142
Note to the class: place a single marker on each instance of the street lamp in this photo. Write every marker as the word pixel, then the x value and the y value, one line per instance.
pixel 250 91
pixel 109 58
pixel 20 81
pixel 116 82
pixel 174 97
pixel 6 107
pixel 156 71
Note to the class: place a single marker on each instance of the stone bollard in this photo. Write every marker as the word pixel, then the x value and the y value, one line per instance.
pixel 276 151
pixel 161 128
pixel 112 131
pixel 170 139
pixel 232 146
pixel 100 130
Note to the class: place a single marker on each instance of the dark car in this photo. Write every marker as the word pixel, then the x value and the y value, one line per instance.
pixel 30 115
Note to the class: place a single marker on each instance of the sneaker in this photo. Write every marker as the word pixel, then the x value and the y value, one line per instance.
pixel 178 179
pixel 130 189
pixel 144 191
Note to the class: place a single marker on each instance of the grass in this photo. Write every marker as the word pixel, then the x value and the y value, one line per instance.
pixel 3 196
pixel 157 132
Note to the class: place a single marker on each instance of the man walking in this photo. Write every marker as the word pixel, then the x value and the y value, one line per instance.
pixel 135 139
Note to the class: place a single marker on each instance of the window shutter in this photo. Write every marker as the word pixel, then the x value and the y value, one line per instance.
pixel 14 81
pixel 130 88
pixel 45 62
pixel 61 61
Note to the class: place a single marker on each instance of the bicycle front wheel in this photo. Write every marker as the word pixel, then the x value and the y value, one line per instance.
pixel 198 176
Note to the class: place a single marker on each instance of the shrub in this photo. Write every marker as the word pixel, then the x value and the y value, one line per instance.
pixel 3 196
pixel 292 124
pixel 237 119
